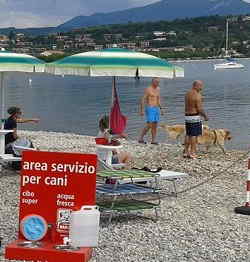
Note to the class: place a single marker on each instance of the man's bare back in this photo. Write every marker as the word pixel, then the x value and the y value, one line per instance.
pixel 193 124
pixel 192 99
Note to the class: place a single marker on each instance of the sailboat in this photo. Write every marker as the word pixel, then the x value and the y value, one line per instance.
pixel 230 63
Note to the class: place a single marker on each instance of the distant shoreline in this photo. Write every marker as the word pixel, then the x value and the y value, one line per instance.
pixel 200 59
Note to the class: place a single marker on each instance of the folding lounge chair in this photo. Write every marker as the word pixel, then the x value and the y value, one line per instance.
pixel 124 176
pixel 168 175
pixel 122 193
pixel 129 176
pixel 23 148
pixel 12 158
pixel 125 182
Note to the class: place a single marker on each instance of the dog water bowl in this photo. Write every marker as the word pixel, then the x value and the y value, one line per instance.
pixel 66 248
pixel 29 244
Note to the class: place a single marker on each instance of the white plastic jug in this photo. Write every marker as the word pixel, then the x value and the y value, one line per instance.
pixel 84 227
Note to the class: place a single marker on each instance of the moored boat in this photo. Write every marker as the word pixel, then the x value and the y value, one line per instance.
pixel 230 63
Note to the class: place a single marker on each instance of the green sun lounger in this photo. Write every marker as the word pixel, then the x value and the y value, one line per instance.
pixel 122 192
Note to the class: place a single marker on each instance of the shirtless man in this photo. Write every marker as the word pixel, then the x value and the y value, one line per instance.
pixel 151 105
pixel 193 112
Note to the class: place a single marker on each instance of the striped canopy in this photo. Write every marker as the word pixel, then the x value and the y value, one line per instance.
pixel 114 62
pixel 13 62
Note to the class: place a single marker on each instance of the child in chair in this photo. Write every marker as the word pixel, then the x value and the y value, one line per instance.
pixel 105 132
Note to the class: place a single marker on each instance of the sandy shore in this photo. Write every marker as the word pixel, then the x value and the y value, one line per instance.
pixel 198 225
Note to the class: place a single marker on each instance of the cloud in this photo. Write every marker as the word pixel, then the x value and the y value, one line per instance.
pixel 142 2
pixel 33 13
pixel 25 20
pixel 3 2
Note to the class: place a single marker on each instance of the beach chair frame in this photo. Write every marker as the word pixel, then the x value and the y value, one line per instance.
pixel 118 190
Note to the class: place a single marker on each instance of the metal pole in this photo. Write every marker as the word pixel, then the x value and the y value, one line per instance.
pixel 248 187
pixel 112 98
pixel 226 51
pixel 2 99
pixel 245 210
pixel 2 135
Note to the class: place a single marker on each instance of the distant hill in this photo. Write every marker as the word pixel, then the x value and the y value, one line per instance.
pixel 29 31
pixel 162 10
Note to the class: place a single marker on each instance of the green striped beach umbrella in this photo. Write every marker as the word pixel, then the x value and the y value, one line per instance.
pixel 114 62
pixel 14 62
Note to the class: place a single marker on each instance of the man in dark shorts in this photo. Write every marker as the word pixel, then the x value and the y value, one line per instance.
pixel 193 112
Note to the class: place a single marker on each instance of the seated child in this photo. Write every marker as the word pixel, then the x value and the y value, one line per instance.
pixel 104 132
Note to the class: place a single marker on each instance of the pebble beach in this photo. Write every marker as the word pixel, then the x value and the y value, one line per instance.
pixel 197 225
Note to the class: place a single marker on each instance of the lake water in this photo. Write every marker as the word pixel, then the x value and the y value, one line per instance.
pixel 74 104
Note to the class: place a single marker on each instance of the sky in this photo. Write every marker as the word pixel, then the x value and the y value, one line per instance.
pixel 43 13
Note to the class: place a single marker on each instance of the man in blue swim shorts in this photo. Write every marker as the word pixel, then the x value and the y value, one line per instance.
pixel 193 112
pixel 151 107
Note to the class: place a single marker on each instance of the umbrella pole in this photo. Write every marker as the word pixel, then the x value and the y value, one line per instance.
pixel 112 98
pixel 2 99
pixel 2 134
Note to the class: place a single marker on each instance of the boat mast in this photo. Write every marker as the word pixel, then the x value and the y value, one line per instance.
pixel 226 50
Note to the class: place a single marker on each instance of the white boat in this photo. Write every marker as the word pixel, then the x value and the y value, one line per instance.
pixel 230 63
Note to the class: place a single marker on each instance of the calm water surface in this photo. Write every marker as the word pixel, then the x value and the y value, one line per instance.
pixel 74 104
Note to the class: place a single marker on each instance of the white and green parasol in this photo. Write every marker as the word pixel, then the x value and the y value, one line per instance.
pixel 13 62
pixel 114 62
